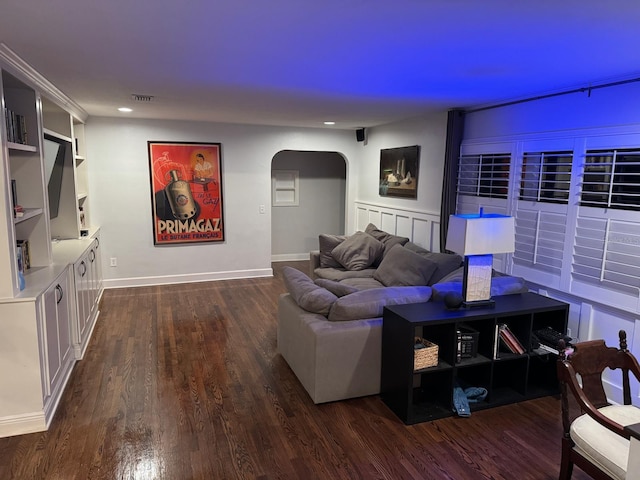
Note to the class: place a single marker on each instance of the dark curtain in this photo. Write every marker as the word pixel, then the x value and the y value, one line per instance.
pixel 455 130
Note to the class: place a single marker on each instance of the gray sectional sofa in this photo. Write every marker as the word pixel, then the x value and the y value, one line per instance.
pixel 330 321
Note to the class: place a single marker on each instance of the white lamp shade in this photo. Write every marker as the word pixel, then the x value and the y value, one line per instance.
pixel 490 233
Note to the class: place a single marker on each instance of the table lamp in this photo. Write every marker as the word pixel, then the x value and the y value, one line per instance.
pixel 478 237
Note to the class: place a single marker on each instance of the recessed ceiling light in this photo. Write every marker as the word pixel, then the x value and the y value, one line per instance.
pixel 125 109
pixel 329 123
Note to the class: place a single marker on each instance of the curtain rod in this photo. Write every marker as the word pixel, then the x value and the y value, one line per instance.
pixel 557 94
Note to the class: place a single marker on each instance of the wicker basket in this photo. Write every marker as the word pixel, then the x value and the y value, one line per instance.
pixel 426 356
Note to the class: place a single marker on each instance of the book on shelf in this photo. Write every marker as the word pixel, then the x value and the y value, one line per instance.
pixel 20 261
pixel 25 254
pixel 14 193
pixel 18 211
pixel 16 126
pixel 510 340
pixel 467 342
pixel 549 349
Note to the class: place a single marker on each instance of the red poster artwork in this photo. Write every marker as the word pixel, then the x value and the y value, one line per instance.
pixel 186 192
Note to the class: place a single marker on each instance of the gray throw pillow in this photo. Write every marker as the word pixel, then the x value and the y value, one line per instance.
pixel 387 239
pixel 337 288
pixel 446 262
pixel 307 294
pixel 327 243
pixel 415 248
pixel 455 276
pixel 402 267
pixel 370 303
pixel 358 251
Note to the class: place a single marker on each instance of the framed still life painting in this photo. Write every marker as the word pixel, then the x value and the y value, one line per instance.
pixel 186 192
pixel 399 172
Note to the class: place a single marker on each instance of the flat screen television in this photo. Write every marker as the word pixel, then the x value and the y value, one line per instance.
pixel 55 153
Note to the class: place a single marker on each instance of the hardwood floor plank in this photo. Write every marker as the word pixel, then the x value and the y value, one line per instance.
pixel 185 382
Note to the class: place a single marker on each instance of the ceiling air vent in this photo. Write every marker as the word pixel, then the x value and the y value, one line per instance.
pixel 142 98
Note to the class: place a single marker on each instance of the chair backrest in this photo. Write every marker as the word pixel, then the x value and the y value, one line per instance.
pixel 580 375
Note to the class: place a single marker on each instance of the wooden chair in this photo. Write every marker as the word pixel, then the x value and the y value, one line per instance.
pixel 595 438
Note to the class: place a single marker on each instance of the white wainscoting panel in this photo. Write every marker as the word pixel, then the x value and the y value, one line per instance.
pixel 593 320
pixel 421 227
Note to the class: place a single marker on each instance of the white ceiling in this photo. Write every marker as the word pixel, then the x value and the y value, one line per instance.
pixel 300 62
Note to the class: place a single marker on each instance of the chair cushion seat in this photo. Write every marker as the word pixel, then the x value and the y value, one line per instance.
pixel 606 449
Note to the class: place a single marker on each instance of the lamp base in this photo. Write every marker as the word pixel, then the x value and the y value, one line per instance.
pixel 476 281
pixel 479 303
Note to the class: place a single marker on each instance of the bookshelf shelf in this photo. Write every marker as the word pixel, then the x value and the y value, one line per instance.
pixel 28 213
pixel 21 147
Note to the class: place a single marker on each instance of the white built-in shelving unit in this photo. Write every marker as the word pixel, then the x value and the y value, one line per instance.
pixel 47 311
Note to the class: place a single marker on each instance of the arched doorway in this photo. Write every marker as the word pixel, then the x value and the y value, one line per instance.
pixel 308 198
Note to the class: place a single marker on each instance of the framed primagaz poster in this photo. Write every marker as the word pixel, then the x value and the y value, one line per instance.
pixel 186 192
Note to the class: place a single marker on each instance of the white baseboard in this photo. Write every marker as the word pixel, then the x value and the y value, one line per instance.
pixel 290 257
pixel 22 424
pixel 186 278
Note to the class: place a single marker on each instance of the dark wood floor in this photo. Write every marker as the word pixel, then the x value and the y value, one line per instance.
pixel 185 382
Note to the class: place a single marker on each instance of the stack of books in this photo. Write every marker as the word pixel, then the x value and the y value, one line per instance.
pixel 24 254
pixel 506 338
pixel 16 127
pixel 549 339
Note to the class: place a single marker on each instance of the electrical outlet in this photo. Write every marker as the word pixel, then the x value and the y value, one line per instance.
pixel 569 333
pixel 113 261
pixel 262 209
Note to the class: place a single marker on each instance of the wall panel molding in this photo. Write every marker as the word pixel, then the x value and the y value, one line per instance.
pixel 420 226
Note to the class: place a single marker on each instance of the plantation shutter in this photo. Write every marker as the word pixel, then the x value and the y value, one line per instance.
pixel 607 253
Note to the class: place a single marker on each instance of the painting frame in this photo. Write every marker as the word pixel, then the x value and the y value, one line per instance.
pixel 399 169
pixel 186 192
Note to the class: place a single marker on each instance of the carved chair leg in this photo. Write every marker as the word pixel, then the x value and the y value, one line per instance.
pixel 566 465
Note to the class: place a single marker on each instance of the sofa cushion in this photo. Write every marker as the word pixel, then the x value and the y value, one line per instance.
pixel 456 276
pixel 358 251
pixel 362 283
pixel 307 294
pixel 327 243
pixel 370 303
pixel 502 285
pixel 387 239
pixel 600 444
pixel 446 262
pixel 339 274
pixel 337 288
pixel 402 267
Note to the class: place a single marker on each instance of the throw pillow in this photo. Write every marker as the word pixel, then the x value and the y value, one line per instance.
pixel 403 267
pixel 307 294
pixel 455 276
pixel 327 243
pixel 358 251
pixel 337 288
pixel 387 239
pixel 446 262
pixel 370 303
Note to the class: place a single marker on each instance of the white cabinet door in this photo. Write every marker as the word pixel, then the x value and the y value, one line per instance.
pixel 65 317
pixel 93 278
pixel 88 282
pixel 98 268
pixel 51 347
pixel 56 349
pixel 81 272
